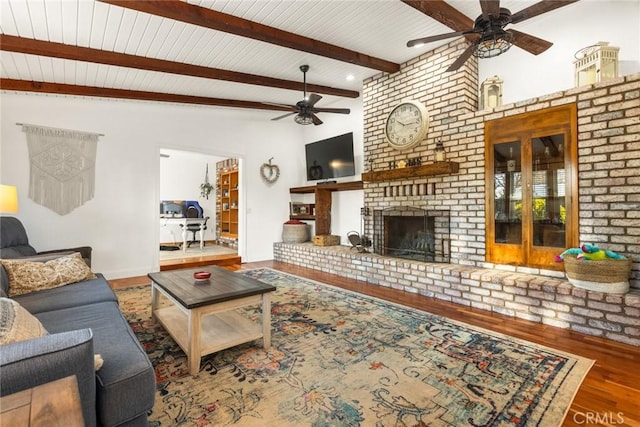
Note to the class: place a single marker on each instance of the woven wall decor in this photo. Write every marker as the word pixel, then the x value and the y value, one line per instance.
pixel 62 167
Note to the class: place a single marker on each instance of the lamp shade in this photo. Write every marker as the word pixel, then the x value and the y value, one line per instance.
pixel 8 199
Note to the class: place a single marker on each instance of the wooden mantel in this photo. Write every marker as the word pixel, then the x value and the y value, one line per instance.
pixel 440 168
pixel 340 186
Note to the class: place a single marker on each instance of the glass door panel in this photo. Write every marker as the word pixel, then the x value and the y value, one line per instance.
pixel 507 193
pixel 548 183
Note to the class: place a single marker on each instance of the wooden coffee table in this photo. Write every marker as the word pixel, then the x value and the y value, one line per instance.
pixel 202 317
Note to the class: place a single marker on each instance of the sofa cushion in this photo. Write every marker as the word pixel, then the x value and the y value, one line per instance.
pixel 76 294
pixel 125 386
pixel 17 324
pixel 28 276
pixel 13 238
pixel 4 282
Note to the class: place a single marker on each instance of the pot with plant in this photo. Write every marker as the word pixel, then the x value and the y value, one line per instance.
pixel 206 187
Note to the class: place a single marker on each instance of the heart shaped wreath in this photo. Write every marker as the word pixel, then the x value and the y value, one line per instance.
pixel 270 172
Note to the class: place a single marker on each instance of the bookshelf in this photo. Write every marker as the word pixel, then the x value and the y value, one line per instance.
pixel 229 204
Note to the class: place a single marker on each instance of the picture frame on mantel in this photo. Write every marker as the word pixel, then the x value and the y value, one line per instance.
pixel 301 209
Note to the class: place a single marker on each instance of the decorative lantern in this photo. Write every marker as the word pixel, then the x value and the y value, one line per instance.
pixel 491 93
pixel 596 63
pixel 439 153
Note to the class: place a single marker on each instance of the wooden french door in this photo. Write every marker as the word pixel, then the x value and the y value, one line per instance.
pixel 531 187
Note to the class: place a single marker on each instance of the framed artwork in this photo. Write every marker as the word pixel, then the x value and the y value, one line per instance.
pixel 299 209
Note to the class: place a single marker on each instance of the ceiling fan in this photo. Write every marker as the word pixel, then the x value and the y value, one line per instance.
pixel 487 33
pixel 305 110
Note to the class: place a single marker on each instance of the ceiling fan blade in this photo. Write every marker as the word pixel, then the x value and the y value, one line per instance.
pixel 443 13
pixel 313 98
pixel 316 120
pixel 292 107
pixel 423 40
pixel 529 43
pixel 490 7
pixel 538 9
pixel 331 110
pixel 284 115
pixel 463 58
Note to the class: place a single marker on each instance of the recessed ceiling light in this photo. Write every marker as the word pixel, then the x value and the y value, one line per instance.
pixel 350 77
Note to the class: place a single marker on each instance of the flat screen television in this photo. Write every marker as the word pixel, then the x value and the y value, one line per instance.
pixel 330 158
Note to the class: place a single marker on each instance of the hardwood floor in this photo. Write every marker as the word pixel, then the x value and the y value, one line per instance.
pixel 212 255
pixel 609 395
pixel 221 260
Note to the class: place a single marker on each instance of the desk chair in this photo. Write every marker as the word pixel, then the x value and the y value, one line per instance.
pixel 192 212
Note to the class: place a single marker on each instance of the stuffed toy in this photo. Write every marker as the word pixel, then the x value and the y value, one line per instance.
pixel 589 252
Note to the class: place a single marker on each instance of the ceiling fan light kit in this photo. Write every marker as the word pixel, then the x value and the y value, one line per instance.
pixel 303 120
pixel 493 44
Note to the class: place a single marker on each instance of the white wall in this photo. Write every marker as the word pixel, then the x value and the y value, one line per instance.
pixel 345 208
pixel 121 222
pixel 181 174
pixel 570 29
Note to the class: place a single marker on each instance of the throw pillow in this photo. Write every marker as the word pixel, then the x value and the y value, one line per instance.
pixel 97 361
pixel 28 276
pixel 17 324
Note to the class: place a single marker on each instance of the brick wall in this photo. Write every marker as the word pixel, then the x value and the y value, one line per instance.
pixel 548 300
pixel 608 150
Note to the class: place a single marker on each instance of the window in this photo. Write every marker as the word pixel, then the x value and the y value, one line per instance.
pixel 531 182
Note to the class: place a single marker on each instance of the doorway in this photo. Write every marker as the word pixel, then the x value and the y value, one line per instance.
pixel 182 174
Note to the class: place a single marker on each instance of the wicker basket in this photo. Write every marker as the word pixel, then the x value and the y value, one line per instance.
pixel 606 275
pixel 326 240
pixel 295 233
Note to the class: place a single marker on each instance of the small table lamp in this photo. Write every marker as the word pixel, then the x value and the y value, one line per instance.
pixel 8 199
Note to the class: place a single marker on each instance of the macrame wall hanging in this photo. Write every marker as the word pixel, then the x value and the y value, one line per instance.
pixel 62 167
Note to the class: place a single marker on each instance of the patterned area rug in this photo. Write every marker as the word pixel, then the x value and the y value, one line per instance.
pixel 343 359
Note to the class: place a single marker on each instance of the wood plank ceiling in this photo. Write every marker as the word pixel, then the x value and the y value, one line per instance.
pixel 226 53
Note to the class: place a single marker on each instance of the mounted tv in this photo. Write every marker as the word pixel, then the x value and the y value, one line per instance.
pixel 330 158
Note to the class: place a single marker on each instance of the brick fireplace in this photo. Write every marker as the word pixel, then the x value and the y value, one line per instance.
pixel 608 154
pixel 412 233
pixel 609 202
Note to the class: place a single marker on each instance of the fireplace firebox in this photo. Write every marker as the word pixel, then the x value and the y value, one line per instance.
pixel 412 233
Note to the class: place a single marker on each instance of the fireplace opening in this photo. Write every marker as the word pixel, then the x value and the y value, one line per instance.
pixel 412 233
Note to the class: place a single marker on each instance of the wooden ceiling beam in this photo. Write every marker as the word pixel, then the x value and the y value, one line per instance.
pixel 85 54
pixel 444 14
pixel 219 21
pixel 102 92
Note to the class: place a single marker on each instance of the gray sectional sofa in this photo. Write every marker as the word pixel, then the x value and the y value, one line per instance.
pixel 82 319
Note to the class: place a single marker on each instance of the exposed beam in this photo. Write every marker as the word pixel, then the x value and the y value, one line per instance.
pixel 539 8
pixel 443 13
pixel 204 17
pixel 77 53
pixel 66 89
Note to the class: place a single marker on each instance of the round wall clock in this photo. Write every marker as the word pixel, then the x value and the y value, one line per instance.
pixel 407 124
